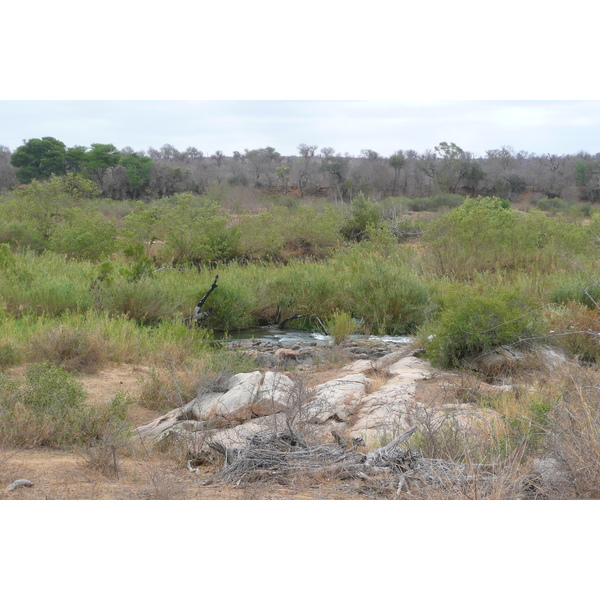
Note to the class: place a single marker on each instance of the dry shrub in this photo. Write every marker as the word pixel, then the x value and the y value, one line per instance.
pixel 578 331
pixel 573 437
pixel 73 350
pixel 102 455
pixel 162 484
pixel 169 388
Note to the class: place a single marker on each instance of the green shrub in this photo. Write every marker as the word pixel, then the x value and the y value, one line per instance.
pixel 142 300
pixel 580 291
pixel 83 236
pixel 340 326
pixel 554 205
pixel 365 214
pixel 472 323
pixel 385 293
pixel 194 232
pixel 302 231
pixel 434 203
pixel 480 235
pixel 49 409
pixel 22 234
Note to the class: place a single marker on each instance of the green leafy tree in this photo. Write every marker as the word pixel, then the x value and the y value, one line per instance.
pixel 337 166
pixel 74 158
pixel 99 158
pixel 283 174
pixel 397 161
pixel 456 167
pixel 307 154
pixel 39 159
pixel 138 169
pixel 262 161
pixel 365 214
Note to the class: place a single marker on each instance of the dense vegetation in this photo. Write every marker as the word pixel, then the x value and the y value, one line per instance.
pixel 86 280
pixel 557 180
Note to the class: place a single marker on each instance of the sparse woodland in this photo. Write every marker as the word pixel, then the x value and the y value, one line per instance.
pixel 104 254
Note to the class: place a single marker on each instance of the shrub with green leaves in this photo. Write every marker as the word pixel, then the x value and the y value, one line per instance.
pixel 473 322
pixel 480 235
pixel 365 214
pixel 554 205
pixel 580 291
pixel 300 231
pixel 194 231
pixel 434 203
pixel 49 409
pixel 340 326
pixel 83 236
pixel 383 291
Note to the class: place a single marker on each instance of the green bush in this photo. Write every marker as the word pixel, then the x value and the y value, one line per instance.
pixel 340 326
pixel 21 234
pixel 365 214
pixel 472 322
pixel 194 232
pixel 434 203
pixel 384 292
pixel 83 236
pixel 49 409
pixel 280 230
pixel 142 300
pixel 554 205
pixel 581 292
pixel 484 235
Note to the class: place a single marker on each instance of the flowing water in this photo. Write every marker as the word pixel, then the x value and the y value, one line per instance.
pixel 289 337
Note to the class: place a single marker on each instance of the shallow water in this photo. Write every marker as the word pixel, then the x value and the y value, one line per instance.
pixel 289 337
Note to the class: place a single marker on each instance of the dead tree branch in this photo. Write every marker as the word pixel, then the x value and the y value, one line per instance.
pixel 199 314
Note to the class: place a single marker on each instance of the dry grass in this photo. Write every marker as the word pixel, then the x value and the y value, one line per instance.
pixel 74 350
pixel 573 435
pixel 170 387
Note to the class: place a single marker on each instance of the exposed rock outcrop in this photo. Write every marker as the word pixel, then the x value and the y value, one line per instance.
pixel 373 399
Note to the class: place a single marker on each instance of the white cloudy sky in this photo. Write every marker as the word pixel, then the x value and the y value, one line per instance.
pixel 347 126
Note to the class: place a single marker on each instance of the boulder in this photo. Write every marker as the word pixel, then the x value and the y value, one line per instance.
pixel 336 399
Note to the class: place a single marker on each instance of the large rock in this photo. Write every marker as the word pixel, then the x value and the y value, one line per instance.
pixel 336 399
pixel 252 402
pixel 246 396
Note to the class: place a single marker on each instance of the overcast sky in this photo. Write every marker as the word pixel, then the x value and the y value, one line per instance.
pixel 239 75
pixel 557 127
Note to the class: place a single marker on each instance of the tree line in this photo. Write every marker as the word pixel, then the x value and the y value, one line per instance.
pixel 447 168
